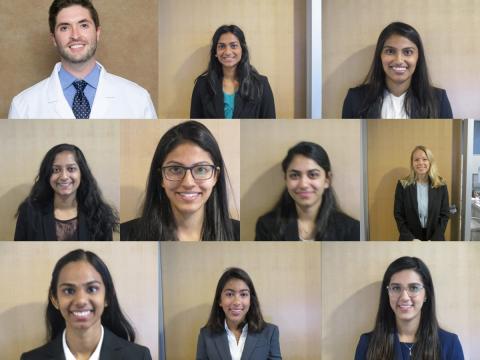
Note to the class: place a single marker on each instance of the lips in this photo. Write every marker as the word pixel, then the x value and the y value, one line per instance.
pixel 236 312
pixel 304 194
pixel 399 69
pixel 81 315
pixel 189 196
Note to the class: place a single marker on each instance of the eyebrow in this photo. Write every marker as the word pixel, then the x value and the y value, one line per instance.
pixel 86 284
pixel 231 42
pixel 413 283
pixel 65 164
pixel 77 22
pixel 172 162
pixel 393 47
pixel 299 171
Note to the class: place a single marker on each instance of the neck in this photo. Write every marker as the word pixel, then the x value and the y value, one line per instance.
pixel 233 327
pixel 229 73
pixel 81 70
pixel 83 342
pixel 407 330
pixel 423 179
pixel 65 202
pixel 397 89
pixel 189 226
pixel 308 213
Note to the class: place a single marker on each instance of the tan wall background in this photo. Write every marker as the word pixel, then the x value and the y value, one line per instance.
pixel 286 277
pixel 26 269
pixel 139 139
pixel 448 30
pixel 390 143
pixel 24 145
pixel 128 44
pixel 264 145
pixel 351 279
pixel 275 35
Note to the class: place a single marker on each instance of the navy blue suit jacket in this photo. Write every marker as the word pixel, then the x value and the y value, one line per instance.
pixel 355 97
pixel 113 348
pixel 264 345
pixel 205 105
pixel 449 343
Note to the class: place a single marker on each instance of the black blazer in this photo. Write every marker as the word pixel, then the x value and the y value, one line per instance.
pixel 264 345
pixel 355 97
pixel 406 212
pixel 127 230
pixel 38 224
pixel 205 105
pixel 113 348
pixel 341 227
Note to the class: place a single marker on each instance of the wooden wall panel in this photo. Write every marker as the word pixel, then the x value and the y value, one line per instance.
pixel 25 270
pixel 286 277
pixel 448 30
pixel 264 145
pixel 25 143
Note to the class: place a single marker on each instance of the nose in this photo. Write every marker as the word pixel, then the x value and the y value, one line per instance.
pixel 64 174
pixel 236 300
pixel 404 294
pixel 188 180
pixel 399 56
pixel 303 181
pixel 80 298
pixel 74 34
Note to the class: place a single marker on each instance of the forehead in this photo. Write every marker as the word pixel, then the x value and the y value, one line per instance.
pixel 72 14
pixel 78 272
pixel 64 157
pixel 303 163
pixel 228 38
pixel 399 42
pixel 419 154
pixel 188 153
pixel 406 277
pixel 236 285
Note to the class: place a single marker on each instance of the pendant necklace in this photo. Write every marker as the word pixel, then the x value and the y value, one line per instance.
pixel 409 349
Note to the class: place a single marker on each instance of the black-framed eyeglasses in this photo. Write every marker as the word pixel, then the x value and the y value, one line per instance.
pixel 412 289
pixel 199 172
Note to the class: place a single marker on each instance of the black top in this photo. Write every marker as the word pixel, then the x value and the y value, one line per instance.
pixel 206 105
pixel 127 230
pixel 341 227
pixel 113 348
pixel 355 97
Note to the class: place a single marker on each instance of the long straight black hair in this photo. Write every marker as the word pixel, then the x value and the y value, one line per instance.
pixel 285 208
pixel 427 346
pixel 251 88
pixel 157 221
pixel 420 99
pixel 254 318
pixel 112 317
pixel 101 218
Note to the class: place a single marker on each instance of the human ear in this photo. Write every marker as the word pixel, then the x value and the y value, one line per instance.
pixel 54 302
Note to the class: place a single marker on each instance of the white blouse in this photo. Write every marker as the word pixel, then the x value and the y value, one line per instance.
pixel 236 349
pixel 392 107
pixel 69 355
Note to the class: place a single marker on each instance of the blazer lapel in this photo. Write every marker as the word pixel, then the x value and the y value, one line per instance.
pixel 221 343
pixel 397 349
pixel 48 223
pixel 110 346
pixel 218 100
pixel 54 349
pixel 239 106
pixel 250 343
pixel 55 95
pixel 413 197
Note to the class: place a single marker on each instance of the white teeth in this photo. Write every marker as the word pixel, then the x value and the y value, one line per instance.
pixel 189 195
pixel 81 313
pixel 76 46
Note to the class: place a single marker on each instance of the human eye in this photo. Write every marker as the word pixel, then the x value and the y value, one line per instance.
pixel 68 290
pixel 414 288
pixel 93 289
pixel 293 175
pixel 220 46
pixel 389 51
pixel 175 170
pixel 63 28
pixel 234 45
pixel 72 168
pixel 84 25
pixel 408 52
pixel 55 170
pixel 228 293
pixel 244 294
pixel 314 174
pixel 396 289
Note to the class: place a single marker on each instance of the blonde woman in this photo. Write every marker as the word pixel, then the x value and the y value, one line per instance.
pixel 421 199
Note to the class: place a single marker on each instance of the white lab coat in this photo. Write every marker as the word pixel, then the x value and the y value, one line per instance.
pixel 115 98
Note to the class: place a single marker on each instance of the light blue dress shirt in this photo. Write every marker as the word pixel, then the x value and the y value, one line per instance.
pixel 67 79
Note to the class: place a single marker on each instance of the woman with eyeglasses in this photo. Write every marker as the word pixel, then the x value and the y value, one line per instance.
pixel 83 316
pixel 307 208
pixel 397 85
pixel 186 196
pixel 406 326
pixel 231 87
pixel 421 199
pixel 235 328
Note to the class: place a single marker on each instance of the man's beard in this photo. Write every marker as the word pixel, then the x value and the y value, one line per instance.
pixel 65 55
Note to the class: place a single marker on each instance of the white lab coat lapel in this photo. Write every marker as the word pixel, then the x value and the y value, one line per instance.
pixel 56 99
pixel 104 96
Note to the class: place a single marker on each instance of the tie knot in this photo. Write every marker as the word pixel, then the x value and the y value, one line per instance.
pixel 80 85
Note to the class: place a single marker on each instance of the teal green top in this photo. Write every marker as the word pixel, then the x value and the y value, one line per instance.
pixel 228 105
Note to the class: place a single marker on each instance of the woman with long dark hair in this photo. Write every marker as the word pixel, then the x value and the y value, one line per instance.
pixel 83 316
pixel 307 209
pixel 65 202
pixel 421 199
pixel 406 326
pixel 236 322
pixel 231 87
pixel 397 85
pixel 186 195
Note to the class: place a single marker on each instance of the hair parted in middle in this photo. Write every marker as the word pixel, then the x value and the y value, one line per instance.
pixel 251 88
pixel 435 179
pixel 157 220
pixel 427 347
pixel 254 318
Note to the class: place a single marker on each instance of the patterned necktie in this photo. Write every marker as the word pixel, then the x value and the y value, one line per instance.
pixel 80 107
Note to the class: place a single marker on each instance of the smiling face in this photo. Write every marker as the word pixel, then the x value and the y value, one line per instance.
pixel 188 196
pixel 80 296
pixel 399 58
pixel 235 302
pixel 306 181
pixel 420 163
pixel 229 50
pixel 66 176
pixel 407 308
pixel 75 35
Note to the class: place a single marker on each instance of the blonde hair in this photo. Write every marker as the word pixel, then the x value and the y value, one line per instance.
pixel 435 179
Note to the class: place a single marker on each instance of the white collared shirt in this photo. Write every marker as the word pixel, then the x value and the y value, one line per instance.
pixel 392 106
pixel 236 350
pixel 69 355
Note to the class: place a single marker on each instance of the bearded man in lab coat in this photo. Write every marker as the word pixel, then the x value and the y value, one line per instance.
pixel 79 86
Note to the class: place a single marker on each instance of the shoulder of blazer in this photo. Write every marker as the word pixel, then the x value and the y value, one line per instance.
pixel 236 229
pixel 51 350
pixel 114 344
pixel 126 229
pixel 345 227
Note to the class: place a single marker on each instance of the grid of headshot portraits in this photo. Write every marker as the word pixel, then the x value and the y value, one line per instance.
pixel 249 180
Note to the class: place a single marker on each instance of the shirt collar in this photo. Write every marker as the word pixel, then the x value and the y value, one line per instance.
pixel 244 329
pixel 68 354
pixel 66 79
